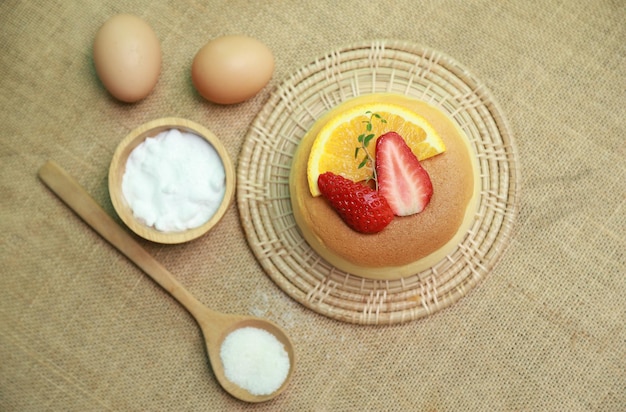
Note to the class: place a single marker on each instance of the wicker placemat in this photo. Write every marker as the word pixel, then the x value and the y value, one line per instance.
pixel 265 161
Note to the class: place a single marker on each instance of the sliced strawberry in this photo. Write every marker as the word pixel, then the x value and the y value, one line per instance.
pixel 361 207
pixel 401 178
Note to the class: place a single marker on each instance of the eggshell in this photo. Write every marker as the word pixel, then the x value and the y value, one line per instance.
pixel 127 57
pixel 231 69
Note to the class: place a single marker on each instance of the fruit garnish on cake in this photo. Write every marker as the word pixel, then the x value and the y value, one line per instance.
pixel 352 176
pixel 361 207
pixel 334 147
pixel 401 178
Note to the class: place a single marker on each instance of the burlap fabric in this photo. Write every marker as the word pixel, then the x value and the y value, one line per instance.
pixel 83 329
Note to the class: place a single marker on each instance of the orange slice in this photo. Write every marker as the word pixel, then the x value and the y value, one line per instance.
pixel 334 147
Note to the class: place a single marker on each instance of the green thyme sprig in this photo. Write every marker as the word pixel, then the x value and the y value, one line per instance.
pixel 364 140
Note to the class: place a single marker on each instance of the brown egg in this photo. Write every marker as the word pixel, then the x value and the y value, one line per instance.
pixel 127 56
pixel 232 69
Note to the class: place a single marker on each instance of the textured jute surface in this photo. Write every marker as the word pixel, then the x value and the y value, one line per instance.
pixel 83 329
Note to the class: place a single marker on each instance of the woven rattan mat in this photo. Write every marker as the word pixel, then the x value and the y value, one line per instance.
pixel 263 181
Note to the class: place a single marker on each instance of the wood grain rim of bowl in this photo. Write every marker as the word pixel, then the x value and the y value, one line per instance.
pixel 118 168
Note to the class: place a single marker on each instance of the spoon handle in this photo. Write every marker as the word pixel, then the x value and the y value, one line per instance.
pixel 70 192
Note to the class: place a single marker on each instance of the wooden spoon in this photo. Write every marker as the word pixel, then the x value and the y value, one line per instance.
pixel 215 326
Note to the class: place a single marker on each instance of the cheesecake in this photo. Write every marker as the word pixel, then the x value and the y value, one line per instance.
pixel 409 244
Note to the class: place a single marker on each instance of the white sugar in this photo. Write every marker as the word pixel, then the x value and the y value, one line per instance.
pixel 255 360
pixel 174 181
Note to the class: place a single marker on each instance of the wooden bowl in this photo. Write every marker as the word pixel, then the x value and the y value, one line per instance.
pixel 118 168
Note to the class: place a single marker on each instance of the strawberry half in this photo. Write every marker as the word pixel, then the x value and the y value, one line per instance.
pixel 361 207
pixel 401 178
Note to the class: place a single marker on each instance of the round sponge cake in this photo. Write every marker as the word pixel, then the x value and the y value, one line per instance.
pixel 408 244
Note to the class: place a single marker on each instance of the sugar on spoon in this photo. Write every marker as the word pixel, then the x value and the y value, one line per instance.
pixel 215 326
